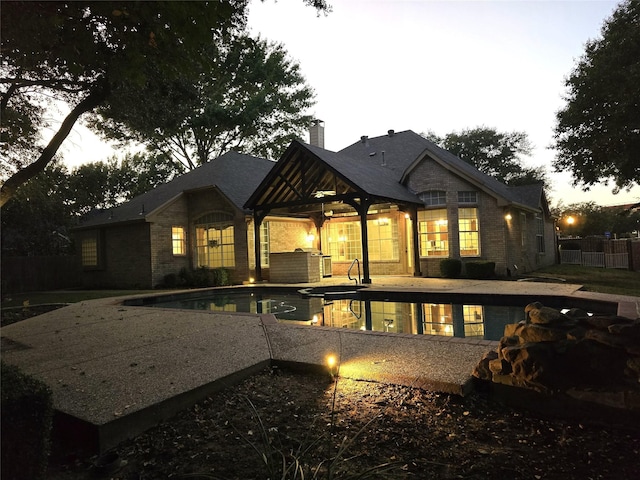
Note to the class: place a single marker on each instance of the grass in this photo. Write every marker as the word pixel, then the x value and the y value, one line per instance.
pixel 603 280
pixel 64 296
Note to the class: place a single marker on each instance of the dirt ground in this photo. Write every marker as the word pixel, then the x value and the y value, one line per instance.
pixel 324 428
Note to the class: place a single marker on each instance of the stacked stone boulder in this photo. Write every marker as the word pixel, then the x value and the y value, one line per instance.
pixel 591 358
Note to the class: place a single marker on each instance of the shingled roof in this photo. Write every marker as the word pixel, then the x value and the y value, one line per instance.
pixel 236 175
pixel 401 152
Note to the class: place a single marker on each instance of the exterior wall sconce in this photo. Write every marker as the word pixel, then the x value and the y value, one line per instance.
pixel 508 217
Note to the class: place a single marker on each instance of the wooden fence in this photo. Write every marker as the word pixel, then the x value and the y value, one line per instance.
pixel 601 252
pixel 32 274
pixel 595 259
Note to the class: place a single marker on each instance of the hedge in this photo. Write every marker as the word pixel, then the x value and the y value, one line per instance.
pixel 450 267
pixel 26 415
pixel 480 270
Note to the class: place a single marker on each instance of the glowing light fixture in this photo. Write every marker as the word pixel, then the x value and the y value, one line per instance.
pixel 331 361
pixel 508 217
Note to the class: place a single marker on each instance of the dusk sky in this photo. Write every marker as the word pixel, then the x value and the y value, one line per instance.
pixel 426 65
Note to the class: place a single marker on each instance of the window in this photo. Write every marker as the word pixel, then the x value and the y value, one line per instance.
pixel 449 320
pixel 178 240
pixel 433 233
pixel 215 241
pixel 473 320
pixel 264 244
pixel 89 252
pixel 438 319
pixel 469 232
pixel 434 198
pixel 540 234
pixel 343 240
pixel 467 197
pixel 523 229
pixel 383 239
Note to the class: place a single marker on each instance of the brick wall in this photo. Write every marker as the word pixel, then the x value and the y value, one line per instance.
pixel 500 240
pixel 163 261
pixel 124 252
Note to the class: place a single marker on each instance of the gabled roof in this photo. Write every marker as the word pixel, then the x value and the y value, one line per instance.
pixel 236 175
pixel 304 170
pixel 404 151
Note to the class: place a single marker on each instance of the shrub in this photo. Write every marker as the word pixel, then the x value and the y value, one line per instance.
pixel 27 412
pixel 479 270
pixel 172 280
pixel 450 267
pixel 220 277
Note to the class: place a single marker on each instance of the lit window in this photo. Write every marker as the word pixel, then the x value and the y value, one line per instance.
pixel 383 239
pixel 469 232
pixel 215 246
pixel 473 320
pixel 540 234
pixel 264 244
pixel 467 197
pixel 434 198
pixel 343 241
pixel 433 232
pixel 438 319
pixel 178 241
pixel 89 252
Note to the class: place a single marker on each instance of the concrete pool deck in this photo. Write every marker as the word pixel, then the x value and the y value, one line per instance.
pixel 117 370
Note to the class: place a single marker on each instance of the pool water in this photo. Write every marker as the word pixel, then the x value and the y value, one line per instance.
pixel 468 320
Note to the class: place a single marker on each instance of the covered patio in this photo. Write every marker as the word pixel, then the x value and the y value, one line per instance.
pixel 313 183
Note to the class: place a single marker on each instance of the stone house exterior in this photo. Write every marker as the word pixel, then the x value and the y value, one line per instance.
pixel 414 203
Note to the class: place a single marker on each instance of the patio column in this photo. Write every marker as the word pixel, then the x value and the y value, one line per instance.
pixel 258 217
pixel 363 208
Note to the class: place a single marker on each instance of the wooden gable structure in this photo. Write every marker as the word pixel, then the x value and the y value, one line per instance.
pixel 308 180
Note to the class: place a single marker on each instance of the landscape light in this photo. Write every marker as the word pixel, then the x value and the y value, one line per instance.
pixel 331 361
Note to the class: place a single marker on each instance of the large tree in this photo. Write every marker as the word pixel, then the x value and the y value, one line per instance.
pixel 87 53
pixel 591 219
pixel 498 154
pixel 251 97
pixel 597 135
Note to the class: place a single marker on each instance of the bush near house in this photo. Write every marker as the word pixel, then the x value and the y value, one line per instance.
pixel 451 267
pixel 27 413
pixel 480 270
pixel 202 277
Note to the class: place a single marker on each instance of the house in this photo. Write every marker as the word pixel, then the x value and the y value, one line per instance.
pixel 401 204
pixel 195 220
pixel 397 203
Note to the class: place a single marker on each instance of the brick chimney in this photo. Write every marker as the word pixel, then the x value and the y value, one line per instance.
pixel 316 133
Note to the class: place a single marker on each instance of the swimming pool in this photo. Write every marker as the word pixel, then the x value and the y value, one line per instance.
pixel 453 315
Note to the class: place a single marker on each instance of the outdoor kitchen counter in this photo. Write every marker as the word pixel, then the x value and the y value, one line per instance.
pixel 294 267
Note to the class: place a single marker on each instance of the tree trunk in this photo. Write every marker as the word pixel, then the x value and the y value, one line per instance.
pixel 14 182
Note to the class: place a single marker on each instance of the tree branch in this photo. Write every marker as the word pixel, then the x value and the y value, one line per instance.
pixel 9 187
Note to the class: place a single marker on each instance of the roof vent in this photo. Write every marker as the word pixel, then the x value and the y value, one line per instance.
pixel 391 133
pixel 384 162
pixel 363 139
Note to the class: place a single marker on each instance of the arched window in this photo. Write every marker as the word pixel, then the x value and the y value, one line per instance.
pixel 214 241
